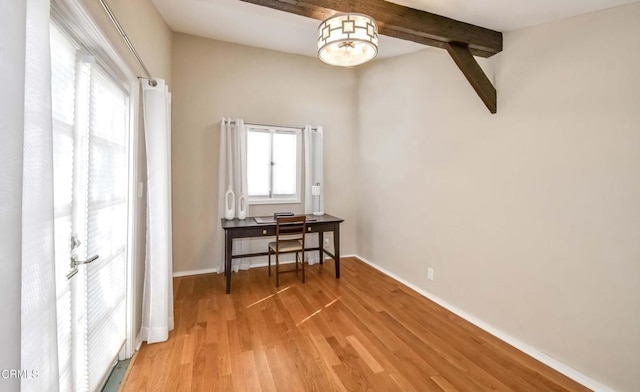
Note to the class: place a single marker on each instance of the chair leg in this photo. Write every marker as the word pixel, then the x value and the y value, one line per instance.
pixel 296 264
pixel 269 261
pixel 302 267
pixel 277 270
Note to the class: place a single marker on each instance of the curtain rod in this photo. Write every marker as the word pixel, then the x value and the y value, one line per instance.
pixel 270 125
pixel 125 38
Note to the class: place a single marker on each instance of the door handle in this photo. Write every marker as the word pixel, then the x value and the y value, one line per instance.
pixel 75 263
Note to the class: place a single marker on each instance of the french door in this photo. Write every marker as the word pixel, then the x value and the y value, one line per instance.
pixel 91 196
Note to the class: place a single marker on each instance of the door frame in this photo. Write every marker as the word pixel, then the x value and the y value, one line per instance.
pixel 73 16
pixel 135 225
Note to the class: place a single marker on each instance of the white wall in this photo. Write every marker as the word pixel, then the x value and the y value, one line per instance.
pixel 530 217
pixel 214 79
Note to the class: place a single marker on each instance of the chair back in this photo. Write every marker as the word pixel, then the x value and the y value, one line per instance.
pixel 290 228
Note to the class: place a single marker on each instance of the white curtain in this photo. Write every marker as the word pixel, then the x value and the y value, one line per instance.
pixel 313 146
pixel 232 174
pixel 157 304
pixel 26 197
pixel 314 180
pixel 12 47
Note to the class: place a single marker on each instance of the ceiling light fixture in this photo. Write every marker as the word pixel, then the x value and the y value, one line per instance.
pixel 347 40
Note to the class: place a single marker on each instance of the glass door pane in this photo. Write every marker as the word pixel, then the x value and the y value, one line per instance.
pixel 107 191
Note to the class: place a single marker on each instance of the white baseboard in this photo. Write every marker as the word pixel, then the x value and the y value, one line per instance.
pixel 527 349
pixel 195 272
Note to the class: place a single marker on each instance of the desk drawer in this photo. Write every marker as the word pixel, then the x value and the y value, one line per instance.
pixel 270 231
pixel 317 227
pixel 248 232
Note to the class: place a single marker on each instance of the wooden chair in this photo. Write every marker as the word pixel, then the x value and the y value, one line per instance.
pixel 290 231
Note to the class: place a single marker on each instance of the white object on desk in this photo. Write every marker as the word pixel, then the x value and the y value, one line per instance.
pixel 315 193
pixel 229 204
pixel 242 207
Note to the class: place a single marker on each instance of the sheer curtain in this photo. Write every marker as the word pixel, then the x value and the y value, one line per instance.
pixel 157 305
pixel 314 180
pixel 232 175
pixel 12 47
pixel 26 196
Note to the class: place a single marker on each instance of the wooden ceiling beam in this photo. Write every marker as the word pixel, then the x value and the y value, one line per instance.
pixel 461 40
pixel 463 58
pixel 399 22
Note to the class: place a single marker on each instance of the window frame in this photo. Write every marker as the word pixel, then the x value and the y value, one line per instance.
pixel 278 198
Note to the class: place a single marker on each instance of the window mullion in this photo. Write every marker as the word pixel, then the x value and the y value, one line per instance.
pixel 271 164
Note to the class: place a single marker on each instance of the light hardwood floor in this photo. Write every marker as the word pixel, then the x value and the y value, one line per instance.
pixel 364 332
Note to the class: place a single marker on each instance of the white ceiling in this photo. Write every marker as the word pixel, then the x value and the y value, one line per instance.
pixel 249 24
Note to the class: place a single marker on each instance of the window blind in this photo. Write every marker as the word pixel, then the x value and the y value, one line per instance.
pixel 106 223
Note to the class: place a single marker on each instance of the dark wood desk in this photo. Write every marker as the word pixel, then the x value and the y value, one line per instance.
pixel 248 228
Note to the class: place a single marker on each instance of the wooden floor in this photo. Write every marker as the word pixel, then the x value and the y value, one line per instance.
pixel 364 332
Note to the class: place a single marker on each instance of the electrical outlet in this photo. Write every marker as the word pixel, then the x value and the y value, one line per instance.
pixel 326 242
pixel 430 273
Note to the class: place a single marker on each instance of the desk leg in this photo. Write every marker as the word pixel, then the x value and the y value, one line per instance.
pixel 225 254
pixel 228 251
pixel 336 244
pixel 321 246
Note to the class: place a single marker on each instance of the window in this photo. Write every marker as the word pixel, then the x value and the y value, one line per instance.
pixel 273 164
